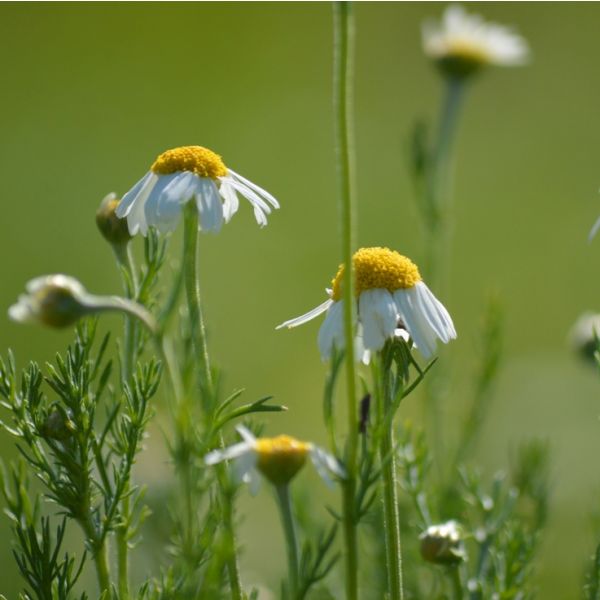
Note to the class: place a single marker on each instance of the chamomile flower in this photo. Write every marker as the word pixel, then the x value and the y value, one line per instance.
pixel 391 298
pixel 463 43
pixel 278 459
pixel 186 174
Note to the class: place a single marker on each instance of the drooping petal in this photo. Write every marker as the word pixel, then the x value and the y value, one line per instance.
pixel 331 332
pixel 230 452
pixel 268 197
pixel 326 465
pixel 309 316
pixel 210 207
pixel 379 317
pixel 231 201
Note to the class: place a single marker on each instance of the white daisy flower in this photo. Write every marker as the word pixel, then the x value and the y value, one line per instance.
pixel 442 544
pixel 278 459
pixel 583 335
pixel 462 43
pixel 391 299
pixel 190 173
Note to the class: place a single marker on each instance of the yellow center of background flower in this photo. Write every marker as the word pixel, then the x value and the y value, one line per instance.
pixel 378 268
pixel 466 50
pixel 280 458
pixel 195 159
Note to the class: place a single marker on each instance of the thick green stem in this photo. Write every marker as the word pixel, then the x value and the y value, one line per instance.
pixel 291 542
pixel 343 71
pixel 191 282
pixel 391 516
pixel 99 550
pixel 457 586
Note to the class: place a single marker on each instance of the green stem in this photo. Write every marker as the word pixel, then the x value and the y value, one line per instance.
pixel 391 516
pixel 99 550
pixel 130 285
pixel 439 192
pixel 191 279
pixel 343 70
pixel 289 529
pixel 457 586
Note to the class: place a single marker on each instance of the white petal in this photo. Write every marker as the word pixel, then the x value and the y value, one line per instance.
pixel 210 207
pixel 152 204
pixel 231 201
pixel 246 434
pixel 243 466
pixel 379 317
pixel 126 204
pixel 268 197
pixel 253 479
pixel 309 316
pixel 235 451
pixel 331 332
pixel 325 464
pixel 250 195
pixel 435 313
pixel 136 219
pixel 422 334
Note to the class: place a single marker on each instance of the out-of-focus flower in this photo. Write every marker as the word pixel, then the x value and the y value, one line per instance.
pixel 583 334
pixel 442 544
pixel 54 300
pixel 190 173
pixel 462 43
pixel 61 300
pixel 113 229
pixel 391 298
pixel 278 459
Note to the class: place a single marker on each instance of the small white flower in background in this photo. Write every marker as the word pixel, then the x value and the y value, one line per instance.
pixel 278 459
pixel 594 230
pixel 392 301
pixel 462 43
pixel 190 173
pixel 582 335
pixel 54 300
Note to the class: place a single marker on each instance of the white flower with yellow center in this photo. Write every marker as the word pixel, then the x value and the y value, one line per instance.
pixel 390 296
pixel 463 43
pixel 190 173
pixel 278 459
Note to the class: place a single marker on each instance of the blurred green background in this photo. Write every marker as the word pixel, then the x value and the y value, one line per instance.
pixel 91 93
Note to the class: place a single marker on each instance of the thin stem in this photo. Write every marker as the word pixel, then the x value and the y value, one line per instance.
pixel 191 279
pixel 343 70
pixel 130 286
pixel 289 530
pixel 99 550
pixel 391 516
pixel 439 192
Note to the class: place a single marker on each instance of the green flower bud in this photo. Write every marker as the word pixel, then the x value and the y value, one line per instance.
pixel 54 300
pixel 113 229
pixel 442 544
pixel 57 426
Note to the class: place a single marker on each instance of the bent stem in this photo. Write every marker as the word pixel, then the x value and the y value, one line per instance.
pixel 191 279
pixel 343 69
pixel 291 542
pixel 389 483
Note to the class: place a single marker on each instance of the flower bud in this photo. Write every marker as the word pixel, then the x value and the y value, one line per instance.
pixel 114 230
pixel 54 300
pixel 280 458
pixel 582 336
pixel 442 545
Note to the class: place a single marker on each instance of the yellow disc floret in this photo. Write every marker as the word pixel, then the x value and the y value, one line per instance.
pixel 196 159
pixel 378 268
pixel 280 458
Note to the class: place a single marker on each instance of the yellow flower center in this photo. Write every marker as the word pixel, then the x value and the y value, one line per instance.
pixel 466 50
pixel 378 268
pixel 280 458
pixel 196 159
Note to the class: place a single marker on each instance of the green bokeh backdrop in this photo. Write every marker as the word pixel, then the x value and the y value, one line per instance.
pixel 92 92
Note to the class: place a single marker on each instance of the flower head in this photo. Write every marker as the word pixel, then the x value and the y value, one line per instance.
pixel 278 459
pixel 54 300
pixel 391 299
pixel 190 173
pixel 442 544
pixel 113 229
pixel 461 44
